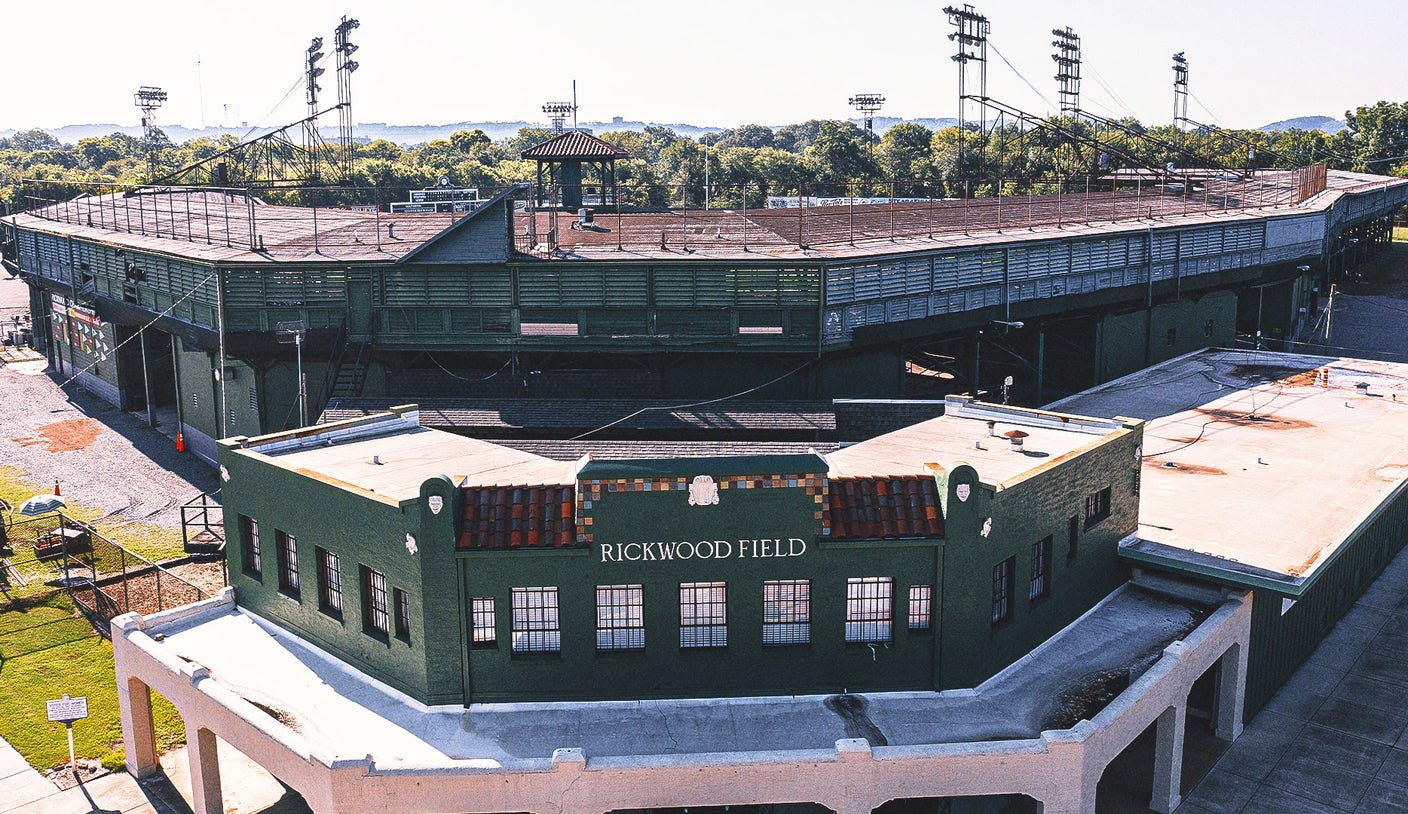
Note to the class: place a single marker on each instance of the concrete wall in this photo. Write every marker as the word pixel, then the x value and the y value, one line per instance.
pixel 1060 769
pixel 1207 321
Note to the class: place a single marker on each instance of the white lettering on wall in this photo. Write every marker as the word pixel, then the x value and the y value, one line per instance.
pixel 762 547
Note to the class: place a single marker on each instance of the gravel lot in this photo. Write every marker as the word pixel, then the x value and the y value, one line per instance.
pixel 101 456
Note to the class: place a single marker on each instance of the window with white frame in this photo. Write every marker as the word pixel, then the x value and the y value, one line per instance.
pixel 620 618
pixel 921 607
pixel 870 608
pixel 536 628
pixel 703 614
pixel 787 612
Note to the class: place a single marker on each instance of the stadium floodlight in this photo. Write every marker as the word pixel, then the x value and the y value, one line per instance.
pixel 868 104
pixel 557 112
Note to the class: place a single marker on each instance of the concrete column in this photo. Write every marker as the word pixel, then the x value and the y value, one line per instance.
pixel 134 705
pixel 205 771
pixel 1231 692
pixel 1168 759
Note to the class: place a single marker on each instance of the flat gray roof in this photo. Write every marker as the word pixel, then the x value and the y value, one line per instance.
pixel 344 715
pixel 962 435
pixel 1260 465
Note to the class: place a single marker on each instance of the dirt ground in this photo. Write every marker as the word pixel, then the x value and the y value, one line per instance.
pixel 101 456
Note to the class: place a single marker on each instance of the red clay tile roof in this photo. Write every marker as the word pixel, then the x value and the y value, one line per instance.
pixel 518 517
pixel 574 144
pixel 882 508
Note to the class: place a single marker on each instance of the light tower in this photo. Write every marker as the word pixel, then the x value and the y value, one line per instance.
pixel 868 104
pixel 345 66
pixel 1180 90
pixel 971 34
pixel 310 125
pixel 557 113
pixel 1067 58
pixel 148 99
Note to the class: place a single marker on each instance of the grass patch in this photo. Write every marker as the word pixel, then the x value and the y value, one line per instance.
pixel 1400 233
pixel 147 539
pixel 46 650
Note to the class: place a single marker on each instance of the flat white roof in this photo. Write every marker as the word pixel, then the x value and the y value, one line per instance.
pixel 1258 463
pixel 392 455
pixel 962 435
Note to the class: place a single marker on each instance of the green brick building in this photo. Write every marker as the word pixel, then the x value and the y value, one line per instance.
pixel 459 571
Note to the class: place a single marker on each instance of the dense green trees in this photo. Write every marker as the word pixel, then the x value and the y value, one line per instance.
pixel 827 157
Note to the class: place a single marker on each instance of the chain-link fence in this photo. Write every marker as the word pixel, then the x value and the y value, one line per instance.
pixel 104 578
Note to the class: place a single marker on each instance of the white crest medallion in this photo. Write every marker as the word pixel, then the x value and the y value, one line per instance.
pixel 703 491
pixel 963 490
pixel 436 503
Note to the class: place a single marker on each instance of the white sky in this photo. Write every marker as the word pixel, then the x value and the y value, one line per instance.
pixel 715 62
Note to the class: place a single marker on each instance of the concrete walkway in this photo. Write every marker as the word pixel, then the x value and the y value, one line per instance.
pixel 1335 738
pixel 248 789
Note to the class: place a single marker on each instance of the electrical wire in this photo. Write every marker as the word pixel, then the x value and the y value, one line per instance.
pixel 167 312
pixel 694 404
pixel 466 378
pixel 1094 74
pixel 1005 61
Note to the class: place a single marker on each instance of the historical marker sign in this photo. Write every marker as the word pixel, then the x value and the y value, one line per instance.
pixel 67 709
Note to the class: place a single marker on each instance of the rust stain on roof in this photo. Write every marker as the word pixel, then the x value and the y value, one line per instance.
pixel 1270 422
pixel 1179 466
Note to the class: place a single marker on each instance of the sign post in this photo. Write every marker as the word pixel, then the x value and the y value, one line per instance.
pixel 68 709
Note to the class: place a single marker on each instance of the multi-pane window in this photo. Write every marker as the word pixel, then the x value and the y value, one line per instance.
pixel 1097 506
pixel 1040 581
pixel 703 614
pixel 620 618
pixel 535 620
pixel 329 581
pixel 401 613
pixel 249 546
pixel 1002 589
pixel 484 621
pixel 870 603
pixel 787 611
pixel 286 545
pixel 374 604
pixel 921 607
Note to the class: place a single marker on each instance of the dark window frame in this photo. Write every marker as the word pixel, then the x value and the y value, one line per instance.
pixel 286 547
pixel 620 618
pixel 535 620
pixel 376 618
pixel 921 607
pixel 251 558
pixel 1097 506
pixel 1002 582
pixel 329 566
pixel 870 610
pixel 401 614
pixel 703 615
pixel 1039 579
pixel 787 612
pixel 483 620
pixel 1073 538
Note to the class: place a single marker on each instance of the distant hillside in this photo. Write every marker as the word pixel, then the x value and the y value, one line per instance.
pixel 1324 124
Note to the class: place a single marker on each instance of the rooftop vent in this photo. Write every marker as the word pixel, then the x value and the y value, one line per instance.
pixel 1016 437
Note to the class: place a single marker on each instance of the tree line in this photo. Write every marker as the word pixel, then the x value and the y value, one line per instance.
pixel 749 162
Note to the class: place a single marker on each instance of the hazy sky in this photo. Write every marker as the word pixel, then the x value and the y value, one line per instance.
pixel 717 62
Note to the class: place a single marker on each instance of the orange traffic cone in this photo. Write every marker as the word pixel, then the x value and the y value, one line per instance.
pixel 56 488
pixel 180 442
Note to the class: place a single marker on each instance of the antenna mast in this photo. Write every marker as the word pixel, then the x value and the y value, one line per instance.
pixel 148 99
pixel 345 66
